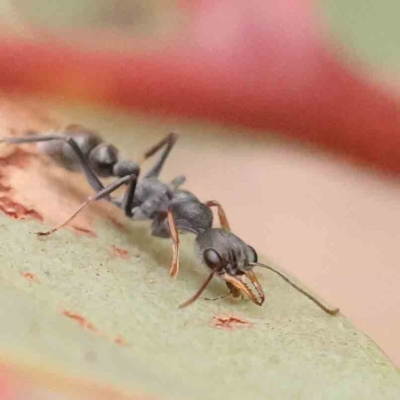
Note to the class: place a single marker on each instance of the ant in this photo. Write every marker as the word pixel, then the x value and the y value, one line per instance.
pixel 170 208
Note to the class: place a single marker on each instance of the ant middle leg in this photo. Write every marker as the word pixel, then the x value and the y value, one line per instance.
pixel 169 142
pixel 128 199
pixel 132 169
pixel 102 194
pixel 221 214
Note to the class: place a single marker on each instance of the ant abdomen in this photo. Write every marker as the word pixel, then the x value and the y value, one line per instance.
pixel 62 152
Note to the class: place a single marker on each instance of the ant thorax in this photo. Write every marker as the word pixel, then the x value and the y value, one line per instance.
pixel 189 213
pixel 151 196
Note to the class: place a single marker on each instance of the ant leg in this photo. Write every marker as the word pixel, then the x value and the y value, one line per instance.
pixel 199 292
pixel 127 201
pixel 91 177
pixel 169 141
pixel 102 194
pixel 175 244
pixel 221 214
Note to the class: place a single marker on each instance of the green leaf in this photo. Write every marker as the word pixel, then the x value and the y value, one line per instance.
pixel 77 306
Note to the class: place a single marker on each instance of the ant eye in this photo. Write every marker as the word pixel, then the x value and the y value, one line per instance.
pixel 212 258
pixel 254 254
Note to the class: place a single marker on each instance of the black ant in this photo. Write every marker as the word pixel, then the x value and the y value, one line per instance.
pixel 170 208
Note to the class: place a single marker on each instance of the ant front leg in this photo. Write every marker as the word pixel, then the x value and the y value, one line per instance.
pixel 221 214
pixel 173 230
pixel 102 194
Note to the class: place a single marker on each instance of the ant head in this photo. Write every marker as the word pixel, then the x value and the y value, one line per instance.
pixel 232 260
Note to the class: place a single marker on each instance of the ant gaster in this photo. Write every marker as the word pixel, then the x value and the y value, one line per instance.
pixel 170 208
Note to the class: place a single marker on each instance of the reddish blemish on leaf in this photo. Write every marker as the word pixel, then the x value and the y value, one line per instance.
pixel 18 158
pixel 32 184
pixel 84 323
pixel 85 231
pixel 30 277
pixel 116 223
pixel 118 252
pixel 81 320
pixel 16 210
pixel 120 341
pixel 229 322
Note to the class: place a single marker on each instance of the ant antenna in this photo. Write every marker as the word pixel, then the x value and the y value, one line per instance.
pixel 328 310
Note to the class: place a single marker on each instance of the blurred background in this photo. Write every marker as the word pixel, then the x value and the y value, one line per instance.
pixel 290 110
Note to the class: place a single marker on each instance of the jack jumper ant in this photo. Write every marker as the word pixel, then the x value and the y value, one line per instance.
pixel 171 209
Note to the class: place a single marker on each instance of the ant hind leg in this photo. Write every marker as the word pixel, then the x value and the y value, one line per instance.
pixel 91 177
